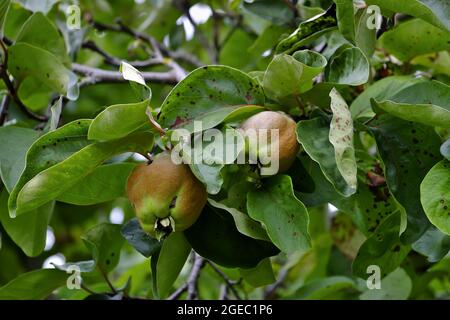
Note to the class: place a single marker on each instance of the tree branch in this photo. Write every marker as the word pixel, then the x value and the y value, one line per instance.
pixel 4 109
pixel 268 294
pixel 199 263
pixel 230 284
pixel 96 75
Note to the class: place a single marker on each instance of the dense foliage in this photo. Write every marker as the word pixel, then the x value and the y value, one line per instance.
pixel 365 204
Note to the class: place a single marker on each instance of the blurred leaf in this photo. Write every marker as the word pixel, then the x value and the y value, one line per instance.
pixel 38 6
pixel 261 275
pixel 349 66
pixel 276 12
pixel 174 252
pixel 215 237
pixel 445 149
pixel 15 141
pixel 285 218
pixel 383 249
pixel 433 244
pixel 105 183
pixel 341 137
pixel 209 94
pixel 139 239
pixel 435 195
pixel 4 6
pixel 408 150
pixel 34 285
pixel 104 241
pixel 119 120
pixel 395 286
pixel 28 231
pixel 365 37
pixel 332 288
pixel 413 38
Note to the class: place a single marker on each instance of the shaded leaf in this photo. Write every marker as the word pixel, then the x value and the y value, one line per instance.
pixel 139 239
pixel 349 66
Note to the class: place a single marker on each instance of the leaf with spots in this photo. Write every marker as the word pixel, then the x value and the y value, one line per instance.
pixel 414 38
pixel 285 217
pixel 435 195
pixel 425 102
pixel 383 248
pixel 209 94
pixel 341 137
pixel 50 149
pixel 408 150
pixel 105 242
pixel 38 188
pixel 314 137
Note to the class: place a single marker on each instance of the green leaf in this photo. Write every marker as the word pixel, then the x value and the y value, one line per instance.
pixel 381 90
pixel 348 66
pixel 38 31
pixel 331 288
pixel 288 76
pixel 52 182
pixel 244 223
pixel 4 7
pixel 215 237
pixel 105 183
pixel 436 12
pixel 119 120
pixel 276 12
pixel 365 37
pixel 16 141
pixel 314 137
pixel 395 286
pixel 424 102
pixel 38 6
pixel 50 149
pixel 261 275
pixel 341 137
pixel 383 249
pixel 408 150
pixel 209 94
pixel 136 80
pixel 307 31
pixel 435 195
pixel 139 239
pixel 283 215
pixel 345 15
pixel 34 285
pixel 28 231
pixel 433 244
pixel 105 242
pixel 413 38
pixel 44 67
pixel 174 253
pixel 55 110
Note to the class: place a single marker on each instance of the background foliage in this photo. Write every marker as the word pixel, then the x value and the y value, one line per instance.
pixel 370 186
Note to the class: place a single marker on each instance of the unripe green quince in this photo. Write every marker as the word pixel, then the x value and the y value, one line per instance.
pixel 167 197
pixel 286 143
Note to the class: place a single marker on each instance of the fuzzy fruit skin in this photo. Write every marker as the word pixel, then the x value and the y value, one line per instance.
pixel 152 189
pixel 288 145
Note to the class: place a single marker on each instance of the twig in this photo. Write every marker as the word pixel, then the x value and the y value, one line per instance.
pixel 178 292
pixel 96 75
pixel 272 288
pixel 199 263
pixel 109 59
pixel 230 284
pixel 4 109
pixel 108 282
pixel 223 292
